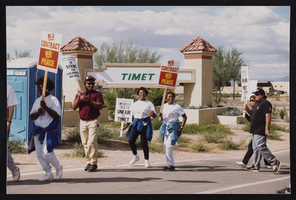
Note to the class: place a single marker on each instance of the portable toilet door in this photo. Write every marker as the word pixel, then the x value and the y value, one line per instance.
pixel 21 76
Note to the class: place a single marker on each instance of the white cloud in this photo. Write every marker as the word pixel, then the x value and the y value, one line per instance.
pixel 261 34
pixel 17 43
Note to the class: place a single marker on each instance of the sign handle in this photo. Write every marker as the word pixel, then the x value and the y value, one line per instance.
pixel 162 102
pixel 121 131
pixel 44 85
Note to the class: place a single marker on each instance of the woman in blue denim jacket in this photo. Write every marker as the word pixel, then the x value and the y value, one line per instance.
pixel 142 110
pixel 170 130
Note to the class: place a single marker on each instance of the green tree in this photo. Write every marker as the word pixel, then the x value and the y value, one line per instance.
pixel 19 54
pixel 221 74
pixel 124 53
pixel 234 62
pixel 155 96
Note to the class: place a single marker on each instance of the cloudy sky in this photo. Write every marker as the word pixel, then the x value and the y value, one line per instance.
pixel 261 32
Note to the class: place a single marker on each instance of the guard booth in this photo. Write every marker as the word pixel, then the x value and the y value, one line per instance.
pixel 22 74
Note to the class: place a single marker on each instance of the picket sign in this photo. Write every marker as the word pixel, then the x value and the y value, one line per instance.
pixel 123 112
pixel 245 80
pixel 168 77
pixel 71 70
pixel 48 57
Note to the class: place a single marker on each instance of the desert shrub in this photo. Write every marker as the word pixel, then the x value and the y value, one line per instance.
pixel 233 112
pixel 229 145
pixel 155 147
pixel 199 148
pixel 109 133
pixel 283 113
pixel 182 141
pixel 79 151
pixel 156 124
pixel 74 135
pixel 278 128
pixel 274 113
pixel 274 135
pixel 204 127
pixel 16 145
pixel 192 107
pixel 287 119
pixel 215 137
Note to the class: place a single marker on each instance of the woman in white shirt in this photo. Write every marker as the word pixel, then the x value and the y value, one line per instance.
pixel 142 110
pixel 170 130
pixel 44 136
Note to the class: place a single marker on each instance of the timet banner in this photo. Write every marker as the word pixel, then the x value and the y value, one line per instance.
pixel 50 45
pixel 168 73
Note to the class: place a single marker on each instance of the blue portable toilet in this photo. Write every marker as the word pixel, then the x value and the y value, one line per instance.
pixel 22 74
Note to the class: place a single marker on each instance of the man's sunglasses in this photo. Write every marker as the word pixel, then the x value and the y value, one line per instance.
pixel 252 100
pixel 90 83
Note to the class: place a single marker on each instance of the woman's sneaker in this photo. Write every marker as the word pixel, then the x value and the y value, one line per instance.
pixel 134 160
pixel 147 163
pixel 241 164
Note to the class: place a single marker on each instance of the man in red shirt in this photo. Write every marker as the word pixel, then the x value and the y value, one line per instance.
pixel 89 102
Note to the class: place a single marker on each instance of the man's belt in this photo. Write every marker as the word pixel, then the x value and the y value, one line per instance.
pixel 89 119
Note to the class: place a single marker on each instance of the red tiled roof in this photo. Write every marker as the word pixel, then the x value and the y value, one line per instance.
pixel 78 43
pixel 198 44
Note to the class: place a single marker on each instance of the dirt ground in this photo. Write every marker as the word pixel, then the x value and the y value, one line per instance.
pixel 119 153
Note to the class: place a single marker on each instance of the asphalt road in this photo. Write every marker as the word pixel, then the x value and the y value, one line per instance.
pixel 218 175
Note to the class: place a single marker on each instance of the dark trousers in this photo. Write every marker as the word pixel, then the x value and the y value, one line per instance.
pixel 249 154
pixel 134 134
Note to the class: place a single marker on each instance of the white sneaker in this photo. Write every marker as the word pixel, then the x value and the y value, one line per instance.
pixel 135 159
pixel 16 174
pixel 267 166
pixel 147 164
pixel 46 177
pixel 241 164
pixel 59 173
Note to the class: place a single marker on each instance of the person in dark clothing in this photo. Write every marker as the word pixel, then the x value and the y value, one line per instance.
pixel 249 153
pixel 260 124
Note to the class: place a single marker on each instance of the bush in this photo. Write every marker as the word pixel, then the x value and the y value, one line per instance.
pixel 155 147
pixel 204 127
pixel 199 148
pixel 182 141
pixel 79 151
pixel 229 145
pixel 216 137
pixel 287 119
pixel 16 146
pixel 110 101
pixel 156 124
pixel 233 112
pixel 274 135
pixel 74 135
pixel 107 133
pixel 283 113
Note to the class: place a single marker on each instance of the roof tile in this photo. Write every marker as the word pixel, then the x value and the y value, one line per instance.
pixel 198 44
pixel 78 43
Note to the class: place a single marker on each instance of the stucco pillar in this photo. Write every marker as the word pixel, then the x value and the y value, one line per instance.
pixel 200 93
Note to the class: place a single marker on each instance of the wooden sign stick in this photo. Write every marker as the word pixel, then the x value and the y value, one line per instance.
pixel 162 102
pixel 44 85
